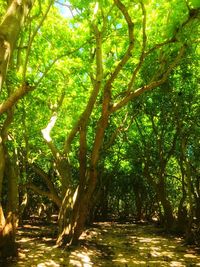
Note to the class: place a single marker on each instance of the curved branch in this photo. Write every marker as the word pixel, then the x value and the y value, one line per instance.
pixel 144 42
pixel 83 120
pixel 14 97
pixel 32 38
pixel 151 85
pixel 41 192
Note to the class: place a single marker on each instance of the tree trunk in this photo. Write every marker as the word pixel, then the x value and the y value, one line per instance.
pixel 82 198
pixel 182 219
pixel 9 32
pixel 8 172
pixel 2 165
pixel 8 226
pixel 190 201
pixel 138 203
pixel 74 211
pixel 160 189
pixel 167 207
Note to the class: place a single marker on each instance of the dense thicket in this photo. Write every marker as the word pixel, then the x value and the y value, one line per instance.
pixel 110 128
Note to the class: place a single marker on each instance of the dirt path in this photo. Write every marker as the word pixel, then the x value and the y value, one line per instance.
pixel 107 245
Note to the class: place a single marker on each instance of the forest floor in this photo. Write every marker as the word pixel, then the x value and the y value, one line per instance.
pixel 104 244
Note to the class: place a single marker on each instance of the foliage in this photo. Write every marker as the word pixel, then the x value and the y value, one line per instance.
pixel 91 76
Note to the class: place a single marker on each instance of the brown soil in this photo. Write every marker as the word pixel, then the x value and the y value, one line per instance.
pixel 105 244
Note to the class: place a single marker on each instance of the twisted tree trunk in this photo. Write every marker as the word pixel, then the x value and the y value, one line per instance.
pixel 9 31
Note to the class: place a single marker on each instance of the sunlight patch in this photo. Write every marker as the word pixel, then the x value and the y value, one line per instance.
pixel 80 259
pixel 123 260
pixel 148 240
pixel 176 264
pixel 48 263
pixel 191 256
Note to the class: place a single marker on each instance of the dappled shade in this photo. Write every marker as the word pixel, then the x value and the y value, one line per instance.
pixel 99 122
pixel 106 244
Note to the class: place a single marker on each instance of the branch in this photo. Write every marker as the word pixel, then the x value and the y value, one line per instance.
pixel 46 131
pixel 56 60
pixel 150 86
pixel 140 133
pixel 6 124
pixel 83 154
pixel 83 120
pixel 143 55
pixel 44 193
pixel 62 4
pixel 38 12
pixel 45 177
pixel 14 97
pixel 172 148
pixel 32 38
pixel 119 129
pixel 157 46
pixel 128 53
pixel 103 121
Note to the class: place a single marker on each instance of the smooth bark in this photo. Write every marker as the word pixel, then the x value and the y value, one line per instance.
pixel 9 31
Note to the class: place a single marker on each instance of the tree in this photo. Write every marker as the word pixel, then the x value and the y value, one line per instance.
pixel 108 84
pixel 10 30
pixel 88 70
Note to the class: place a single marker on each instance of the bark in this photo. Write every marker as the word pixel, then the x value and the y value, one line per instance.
pixel 9 32
pixel 7 237
pixel 8 171
pixel 8 230
pixel 61 160
pixel 2 168
pixel 168 213
pixel 186 171
pixel 2 165
pixel 14 97
pixel 3 138
pixel 182 210
pixel 197 209
pixel 182 216
pixel 160 189
pixel 53 195
pixel 190 200
pixel 138 203
pixel 49 195
pixel 77 206
pixel 70 207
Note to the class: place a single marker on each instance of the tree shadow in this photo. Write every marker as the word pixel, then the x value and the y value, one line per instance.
pixel 108 244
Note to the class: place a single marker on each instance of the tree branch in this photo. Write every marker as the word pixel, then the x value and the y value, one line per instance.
pixel 44 193
pixel 45 178
pixel 151 85
pixel 32 38
pixel 143 55
pixel 84 117
pixel 14 97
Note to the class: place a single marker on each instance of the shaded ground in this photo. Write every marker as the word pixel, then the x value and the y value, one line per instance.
pixel 107 245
